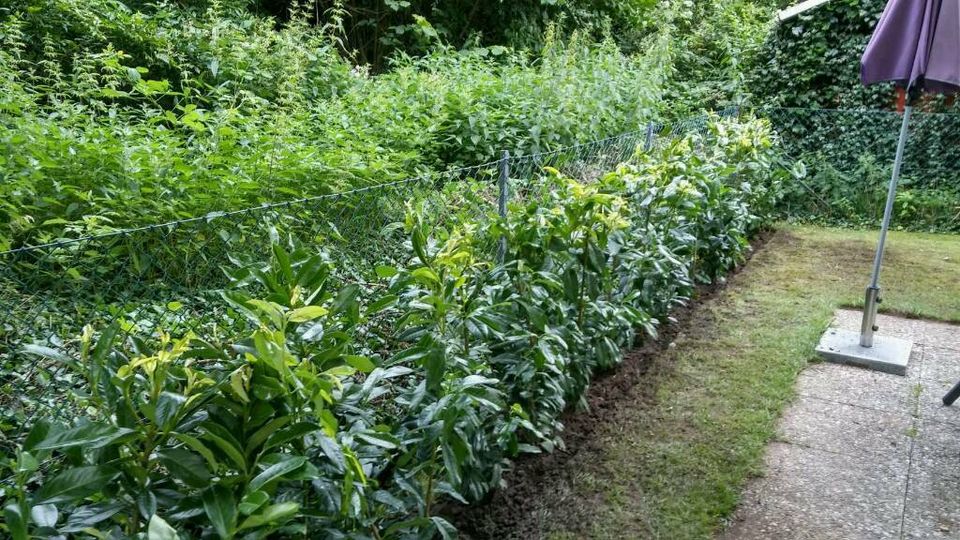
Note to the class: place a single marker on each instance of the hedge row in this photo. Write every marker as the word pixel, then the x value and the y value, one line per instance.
pixel 353 406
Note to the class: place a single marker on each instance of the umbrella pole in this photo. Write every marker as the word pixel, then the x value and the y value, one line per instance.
pixel 872 297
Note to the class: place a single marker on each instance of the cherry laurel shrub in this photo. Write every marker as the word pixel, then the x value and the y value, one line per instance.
pixel 355 409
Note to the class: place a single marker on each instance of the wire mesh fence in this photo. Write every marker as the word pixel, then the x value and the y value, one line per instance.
pixel 849 155
pixel 169 276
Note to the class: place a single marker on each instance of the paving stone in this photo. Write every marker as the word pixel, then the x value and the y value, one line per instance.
pixel 932 508
pixel 942 335
pixel 941 366
pixel 864 454
pixel 941 370
pixel 812 494
pixel 847 429
pixel 932 408
pixel 861 387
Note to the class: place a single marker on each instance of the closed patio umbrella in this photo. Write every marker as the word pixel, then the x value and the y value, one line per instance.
pixel 916 45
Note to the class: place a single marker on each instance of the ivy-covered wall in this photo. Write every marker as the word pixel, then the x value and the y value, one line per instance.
pixel 813 60
pixel 809 66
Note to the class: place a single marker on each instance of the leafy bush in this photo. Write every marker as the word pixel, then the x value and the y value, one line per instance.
pixel 352 407
pixel 215 109
pixel 714 44
pixel 489 100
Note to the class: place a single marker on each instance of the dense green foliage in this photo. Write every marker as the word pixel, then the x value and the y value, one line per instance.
pixel 370 31
pixel 812 62
pixel 218 110
pixel 849 160
pixel 354 382
pixel 350 408
pixel 714 45
pixel 120 114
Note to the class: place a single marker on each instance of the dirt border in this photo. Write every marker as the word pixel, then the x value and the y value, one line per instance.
pixel 506 513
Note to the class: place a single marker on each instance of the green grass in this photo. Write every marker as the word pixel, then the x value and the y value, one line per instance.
pixel 673 466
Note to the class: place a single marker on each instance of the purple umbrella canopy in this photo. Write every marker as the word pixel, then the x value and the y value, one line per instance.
pixel 916 45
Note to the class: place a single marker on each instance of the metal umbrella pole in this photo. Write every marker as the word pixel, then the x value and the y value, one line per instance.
pixel 914 46
pixel 872 297
pixel 884 353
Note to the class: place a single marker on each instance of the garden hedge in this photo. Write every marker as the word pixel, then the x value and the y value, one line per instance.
pixel 349 409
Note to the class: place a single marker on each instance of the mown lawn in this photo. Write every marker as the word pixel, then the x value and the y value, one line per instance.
pixel 672 461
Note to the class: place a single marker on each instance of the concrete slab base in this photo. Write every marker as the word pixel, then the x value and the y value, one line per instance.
pixel 888 354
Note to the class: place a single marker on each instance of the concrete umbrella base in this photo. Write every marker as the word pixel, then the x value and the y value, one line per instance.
pixel 888 354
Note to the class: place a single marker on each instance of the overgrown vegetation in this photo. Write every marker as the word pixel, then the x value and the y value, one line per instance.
pixel 714 45
pixel 350 409
pixel 115 114
pixel 217 110
pixel 364 374
pixel 848 156
pixel 371 31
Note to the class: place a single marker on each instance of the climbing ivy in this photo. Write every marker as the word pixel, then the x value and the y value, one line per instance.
pixel 813 60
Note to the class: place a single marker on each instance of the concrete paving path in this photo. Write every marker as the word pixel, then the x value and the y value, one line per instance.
pixel 862 454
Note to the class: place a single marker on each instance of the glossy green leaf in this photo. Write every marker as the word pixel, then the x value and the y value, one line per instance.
pixel 275 472
pixel 221 509
pixel 26 463
pixel 383 440
pixel 186 466
pixel 38 433
pixel 47 352
pixel 445 528
pixel 346 301
pixel 382 303
pixel 226 443
pixel 307 313
pixel 74 484
pixel 158 529
pixel 275 514
pixel 259 437
pixel 15 521
pixel 426 276
pixel 168 406
pixel 92 435
pixel 194 444
pixel 295 432
pixel 252 502
pixel 333 452
pixel 419 245
pixel 147 503
pixel 361 363
pixel 85 517
pixel 386 271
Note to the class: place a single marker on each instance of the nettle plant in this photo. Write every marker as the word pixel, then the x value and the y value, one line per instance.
pixel 361 405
